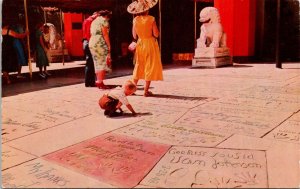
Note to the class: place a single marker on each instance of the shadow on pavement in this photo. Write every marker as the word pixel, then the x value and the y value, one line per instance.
pixel 290 68
pixel 241 66
pixel 176 97
pixel 58 78
pixel 139 114
pixel 233 66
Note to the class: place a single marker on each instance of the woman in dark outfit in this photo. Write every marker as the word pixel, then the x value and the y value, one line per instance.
pixel 41 50
pixel 9 55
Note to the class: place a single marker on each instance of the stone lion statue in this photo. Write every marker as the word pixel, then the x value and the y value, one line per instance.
pixel 212 34
pixel 53 38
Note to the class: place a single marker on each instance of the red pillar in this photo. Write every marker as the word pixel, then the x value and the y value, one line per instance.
pixel 238 20
pixel 73 33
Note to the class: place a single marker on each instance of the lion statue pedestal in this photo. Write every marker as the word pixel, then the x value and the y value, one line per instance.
pixel 211 51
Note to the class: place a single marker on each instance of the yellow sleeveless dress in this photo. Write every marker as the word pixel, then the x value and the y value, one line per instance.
pixel 148 64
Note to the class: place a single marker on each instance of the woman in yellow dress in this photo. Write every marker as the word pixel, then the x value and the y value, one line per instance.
pixel 148 64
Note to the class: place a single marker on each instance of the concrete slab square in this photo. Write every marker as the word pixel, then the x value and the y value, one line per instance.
pixel 172 134
pixel 283 165
pixel 233 118
pixel 165 114
pixel 177 100
pixel 12 157
pixel 289 131
pixel 282 158
pixel 77 131
pixel 188 167
pixel 119 160
pixel 43 174
pixel 246 142
pixel 280 102
pixel 285 89
pixel 186 91
pixel 296 117
pixel 23 124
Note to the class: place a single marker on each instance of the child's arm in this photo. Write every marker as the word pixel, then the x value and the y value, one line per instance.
pixel 131 109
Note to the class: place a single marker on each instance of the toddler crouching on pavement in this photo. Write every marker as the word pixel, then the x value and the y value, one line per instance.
pixel 114 99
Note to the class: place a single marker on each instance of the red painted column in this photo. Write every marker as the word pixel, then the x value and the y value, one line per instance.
pixel 226 12
pixel 68 31
pixel 238 20
pixel 73 33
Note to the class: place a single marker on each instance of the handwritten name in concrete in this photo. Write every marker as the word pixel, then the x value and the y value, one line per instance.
pixel 40 172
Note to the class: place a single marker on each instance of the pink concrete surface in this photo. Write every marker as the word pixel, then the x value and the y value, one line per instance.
pixel 118 160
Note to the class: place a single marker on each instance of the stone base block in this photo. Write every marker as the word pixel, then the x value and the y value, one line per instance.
pixel 211 62
pixel 209 52
pixel 57 55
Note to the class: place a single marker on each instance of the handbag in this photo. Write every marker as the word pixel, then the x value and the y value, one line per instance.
pixel 132 46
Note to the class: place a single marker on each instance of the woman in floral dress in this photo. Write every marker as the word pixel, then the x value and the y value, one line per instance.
pixel 99 45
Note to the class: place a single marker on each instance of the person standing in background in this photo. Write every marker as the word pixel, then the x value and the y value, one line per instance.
pixel 9 55
pixel 148 64
pixel 89 66
pixel 20 50
pixel 41 50
pixel 100 47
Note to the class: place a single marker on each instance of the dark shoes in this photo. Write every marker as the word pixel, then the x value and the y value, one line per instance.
pixel 148 93
pixel 21 77
pixel 113 114
pixel 42 76
pixel 47 74
pixel 90 85
pixel 101 86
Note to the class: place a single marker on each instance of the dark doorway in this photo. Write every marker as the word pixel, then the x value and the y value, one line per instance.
pixel 178 27
pixel 266 31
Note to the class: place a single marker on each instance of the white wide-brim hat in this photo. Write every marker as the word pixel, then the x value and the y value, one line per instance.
pixel 139 6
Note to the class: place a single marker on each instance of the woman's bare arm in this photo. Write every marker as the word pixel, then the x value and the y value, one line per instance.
pixel 134 35
pixel 155 30
pixel 105 32
pixel 17 35
pixel 13 33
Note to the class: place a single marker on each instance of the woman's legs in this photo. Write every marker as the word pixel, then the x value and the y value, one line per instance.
pixel 41 74
pixel 136 81
pixel 41 69
pixel 19 72
pixel 46 72
pixel 6 76
pixel 19 69
pixel 100 77
pixel 146 89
